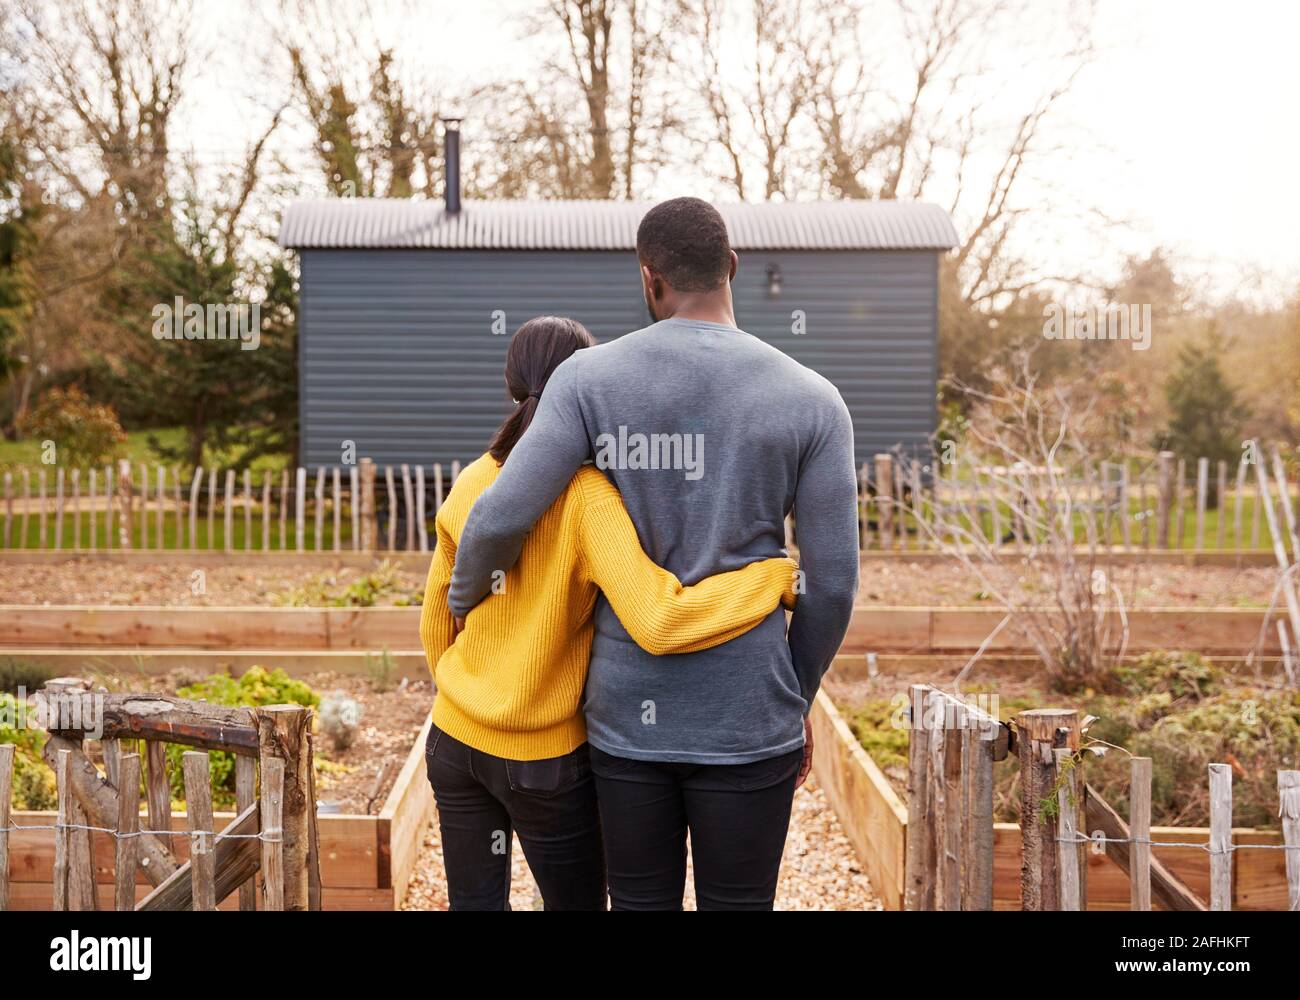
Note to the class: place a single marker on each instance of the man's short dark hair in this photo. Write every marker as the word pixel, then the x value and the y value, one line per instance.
pixel 685 242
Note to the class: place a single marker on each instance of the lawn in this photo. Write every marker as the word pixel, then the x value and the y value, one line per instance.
pixel 27 452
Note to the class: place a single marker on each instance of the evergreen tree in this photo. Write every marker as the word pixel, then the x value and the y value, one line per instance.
pixel 1205 416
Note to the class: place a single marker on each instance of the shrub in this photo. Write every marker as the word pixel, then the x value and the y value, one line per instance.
pixel 15 674
pixel 84 433
pixel 256 686
pixel 33 786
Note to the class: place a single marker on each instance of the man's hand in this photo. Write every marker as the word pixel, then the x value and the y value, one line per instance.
pixel 460 625
pixel 806 766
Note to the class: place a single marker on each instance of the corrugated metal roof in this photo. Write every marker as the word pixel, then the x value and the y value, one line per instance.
pixel 608 225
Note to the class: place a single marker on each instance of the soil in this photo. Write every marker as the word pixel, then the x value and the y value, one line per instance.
pixel 882 583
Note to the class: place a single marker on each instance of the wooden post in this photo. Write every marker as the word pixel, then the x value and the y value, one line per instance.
pixel 1238 498
pixel 284 733
pixel 1290 590
pixel 421 520
pixel 392 507
pixel 193 540
pixel 320 508
pixel 26 509
pixel 300 507
pixel 284 507
pixel 1221 505
pixel 954 821
pixel 58 507
pixel 6 791
pixel 455 470
pixel 918 891
pixel 437 487
pixel 272 811
pixel 1180 484
pixel 128 823
pixel 144 507
pixel 1288 793
pixel 179 500
pixel 212 507
pixel 198 818
pixel 160 518
pixel 1067 855
pixel 1039 732
pixel 91 485
pixel 936 781
pixel 408 507
pixel 864 507
pixel 76 508
pixel 884 499
pixel 159 795
pixel 248 510
pixel 228 514
pixel 369 525
pixel 109 494
pixel 1202 493
pixel 354 506
pixel 1284 501
pixel 1125 512
pixel 1164 497
pixel 62 833
pixel 338 510
pixel 245 795
pixel 266 511
pixel 1140 832
pixel 40 486
pixel 1220 837
pixel 917 501
pixel 977 774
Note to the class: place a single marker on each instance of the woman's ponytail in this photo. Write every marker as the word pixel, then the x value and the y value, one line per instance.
pixel 536 350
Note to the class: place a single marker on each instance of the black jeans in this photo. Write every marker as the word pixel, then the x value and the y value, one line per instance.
pixel 737 814
pixel 550 803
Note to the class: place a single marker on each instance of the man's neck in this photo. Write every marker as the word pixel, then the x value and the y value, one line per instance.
pixel 706 309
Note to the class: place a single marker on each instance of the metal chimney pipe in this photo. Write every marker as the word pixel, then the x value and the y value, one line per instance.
pixel 451 140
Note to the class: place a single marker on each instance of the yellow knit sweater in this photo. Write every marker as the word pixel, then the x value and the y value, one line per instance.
pixel 511 683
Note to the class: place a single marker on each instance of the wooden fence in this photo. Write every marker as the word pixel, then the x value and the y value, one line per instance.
pixel 949 850
pixel 273 834
pixel 1163 503
pixel 356 508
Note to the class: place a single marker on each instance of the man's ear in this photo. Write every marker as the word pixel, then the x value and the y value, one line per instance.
pixel 735 264
pixel 648 282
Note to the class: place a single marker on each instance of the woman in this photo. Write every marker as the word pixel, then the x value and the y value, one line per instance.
pixel 507 749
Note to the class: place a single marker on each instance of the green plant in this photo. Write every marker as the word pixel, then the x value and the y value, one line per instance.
pixel 16 673
pixel 33 786
pixel 381 669
pixel 1182 675
pixel 84 433
pixel 256 686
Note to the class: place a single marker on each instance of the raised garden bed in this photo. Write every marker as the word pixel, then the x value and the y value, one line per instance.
pixel 367 857
pixel 873 813
pixel 913 630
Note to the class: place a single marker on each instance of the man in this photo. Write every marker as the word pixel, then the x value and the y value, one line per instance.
pixel 712 437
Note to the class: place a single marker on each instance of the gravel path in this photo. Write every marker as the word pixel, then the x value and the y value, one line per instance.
pixel 818 872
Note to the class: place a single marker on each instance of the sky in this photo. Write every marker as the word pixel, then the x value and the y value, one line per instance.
pixel 1184 127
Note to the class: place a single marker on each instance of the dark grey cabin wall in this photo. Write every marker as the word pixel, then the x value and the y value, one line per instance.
pixel 397 352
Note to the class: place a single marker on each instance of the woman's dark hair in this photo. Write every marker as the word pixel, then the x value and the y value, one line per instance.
pixel 537 349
